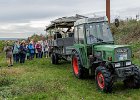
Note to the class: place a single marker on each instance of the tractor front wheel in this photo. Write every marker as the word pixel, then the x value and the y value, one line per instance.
pixel 133 81
pixel 103 79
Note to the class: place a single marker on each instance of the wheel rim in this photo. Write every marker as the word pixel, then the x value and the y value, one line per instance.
pixel 75 65
pixel 100 79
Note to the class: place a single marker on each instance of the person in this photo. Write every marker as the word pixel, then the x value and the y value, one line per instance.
pixel 9 54
pixel 16 51
pixel 31 50
pixel 46 49
pixel 27 52
pixel 39 49
pixel 22 52
pixel 33 43
pixel 43 46
pixel 36 51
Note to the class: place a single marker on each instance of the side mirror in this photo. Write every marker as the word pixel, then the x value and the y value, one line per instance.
pixel 117 22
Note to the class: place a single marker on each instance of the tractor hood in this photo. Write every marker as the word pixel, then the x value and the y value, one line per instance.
pixel 110 47
pixel 112 52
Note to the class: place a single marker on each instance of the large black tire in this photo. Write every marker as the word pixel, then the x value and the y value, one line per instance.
pixel 134 80
pixel 54 58
pixel 78 69
pixel 103 79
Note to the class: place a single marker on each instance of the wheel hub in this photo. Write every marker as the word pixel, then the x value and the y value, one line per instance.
pixel 75 65
pixel 100 79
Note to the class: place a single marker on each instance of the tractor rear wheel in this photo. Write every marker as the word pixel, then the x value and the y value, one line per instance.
pixel 78 70
pixel 103 79
pixel 133 81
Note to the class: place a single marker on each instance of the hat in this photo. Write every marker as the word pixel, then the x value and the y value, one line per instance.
pixel 31 42
pixel 23 41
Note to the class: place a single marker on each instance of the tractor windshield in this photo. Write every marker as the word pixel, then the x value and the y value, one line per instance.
pixel 98 32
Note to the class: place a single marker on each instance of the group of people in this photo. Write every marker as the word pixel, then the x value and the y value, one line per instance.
pixel 20 51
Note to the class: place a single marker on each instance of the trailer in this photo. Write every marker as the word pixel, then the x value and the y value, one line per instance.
pixel 61 38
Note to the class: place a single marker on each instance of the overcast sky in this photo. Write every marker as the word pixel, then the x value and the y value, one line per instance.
pixel 22 18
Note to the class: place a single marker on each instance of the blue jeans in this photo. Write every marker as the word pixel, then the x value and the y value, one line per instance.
pixel 31 56
pixel 22 58
pixel 16 57
pixel 39 54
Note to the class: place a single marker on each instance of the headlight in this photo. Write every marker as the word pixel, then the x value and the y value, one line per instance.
pixel 128 63
pixel 117 65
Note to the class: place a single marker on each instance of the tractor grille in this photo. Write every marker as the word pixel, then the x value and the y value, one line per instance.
pixel 122 54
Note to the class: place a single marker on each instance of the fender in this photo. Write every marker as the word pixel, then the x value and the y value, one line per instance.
pixel 81 49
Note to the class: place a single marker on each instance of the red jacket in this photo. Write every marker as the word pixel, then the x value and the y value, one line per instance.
pixel 38 47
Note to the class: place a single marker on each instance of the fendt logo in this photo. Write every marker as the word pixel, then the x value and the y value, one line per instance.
pixel 122 50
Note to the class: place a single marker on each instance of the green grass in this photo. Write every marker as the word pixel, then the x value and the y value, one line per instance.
pixel 40 80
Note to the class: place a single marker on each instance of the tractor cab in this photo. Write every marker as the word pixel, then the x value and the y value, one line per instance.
pixel 93 31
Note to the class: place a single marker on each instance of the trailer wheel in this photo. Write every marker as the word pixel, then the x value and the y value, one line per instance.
pixel 103 79
pixel 133 81
pixel 54 58
pixel 78 69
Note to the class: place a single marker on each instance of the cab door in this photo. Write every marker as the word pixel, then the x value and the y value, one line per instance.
pixel 80 43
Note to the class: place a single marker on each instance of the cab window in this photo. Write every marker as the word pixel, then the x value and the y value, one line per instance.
pixel 76 35
pixel 79 34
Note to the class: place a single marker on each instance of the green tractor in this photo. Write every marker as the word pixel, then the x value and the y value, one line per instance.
pixel 94 53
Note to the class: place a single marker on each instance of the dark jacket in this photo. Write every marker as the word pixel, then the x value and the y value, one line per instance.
pixel 22 49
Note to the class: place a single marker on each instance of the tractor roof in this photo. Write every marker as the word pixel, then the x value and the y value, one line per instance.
pixel 90 20
pixel 64 22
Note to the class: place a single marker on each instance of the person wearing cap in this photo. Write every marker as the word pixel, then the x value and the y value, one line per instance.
pixel 22 52
pixel 9 54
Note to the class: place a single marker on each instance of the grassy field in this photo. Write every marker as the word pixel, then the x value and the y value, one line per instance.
pixel 40 80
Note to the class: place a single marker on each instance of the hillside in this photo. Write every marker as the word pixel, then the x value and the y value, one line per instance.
pixel 128 33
